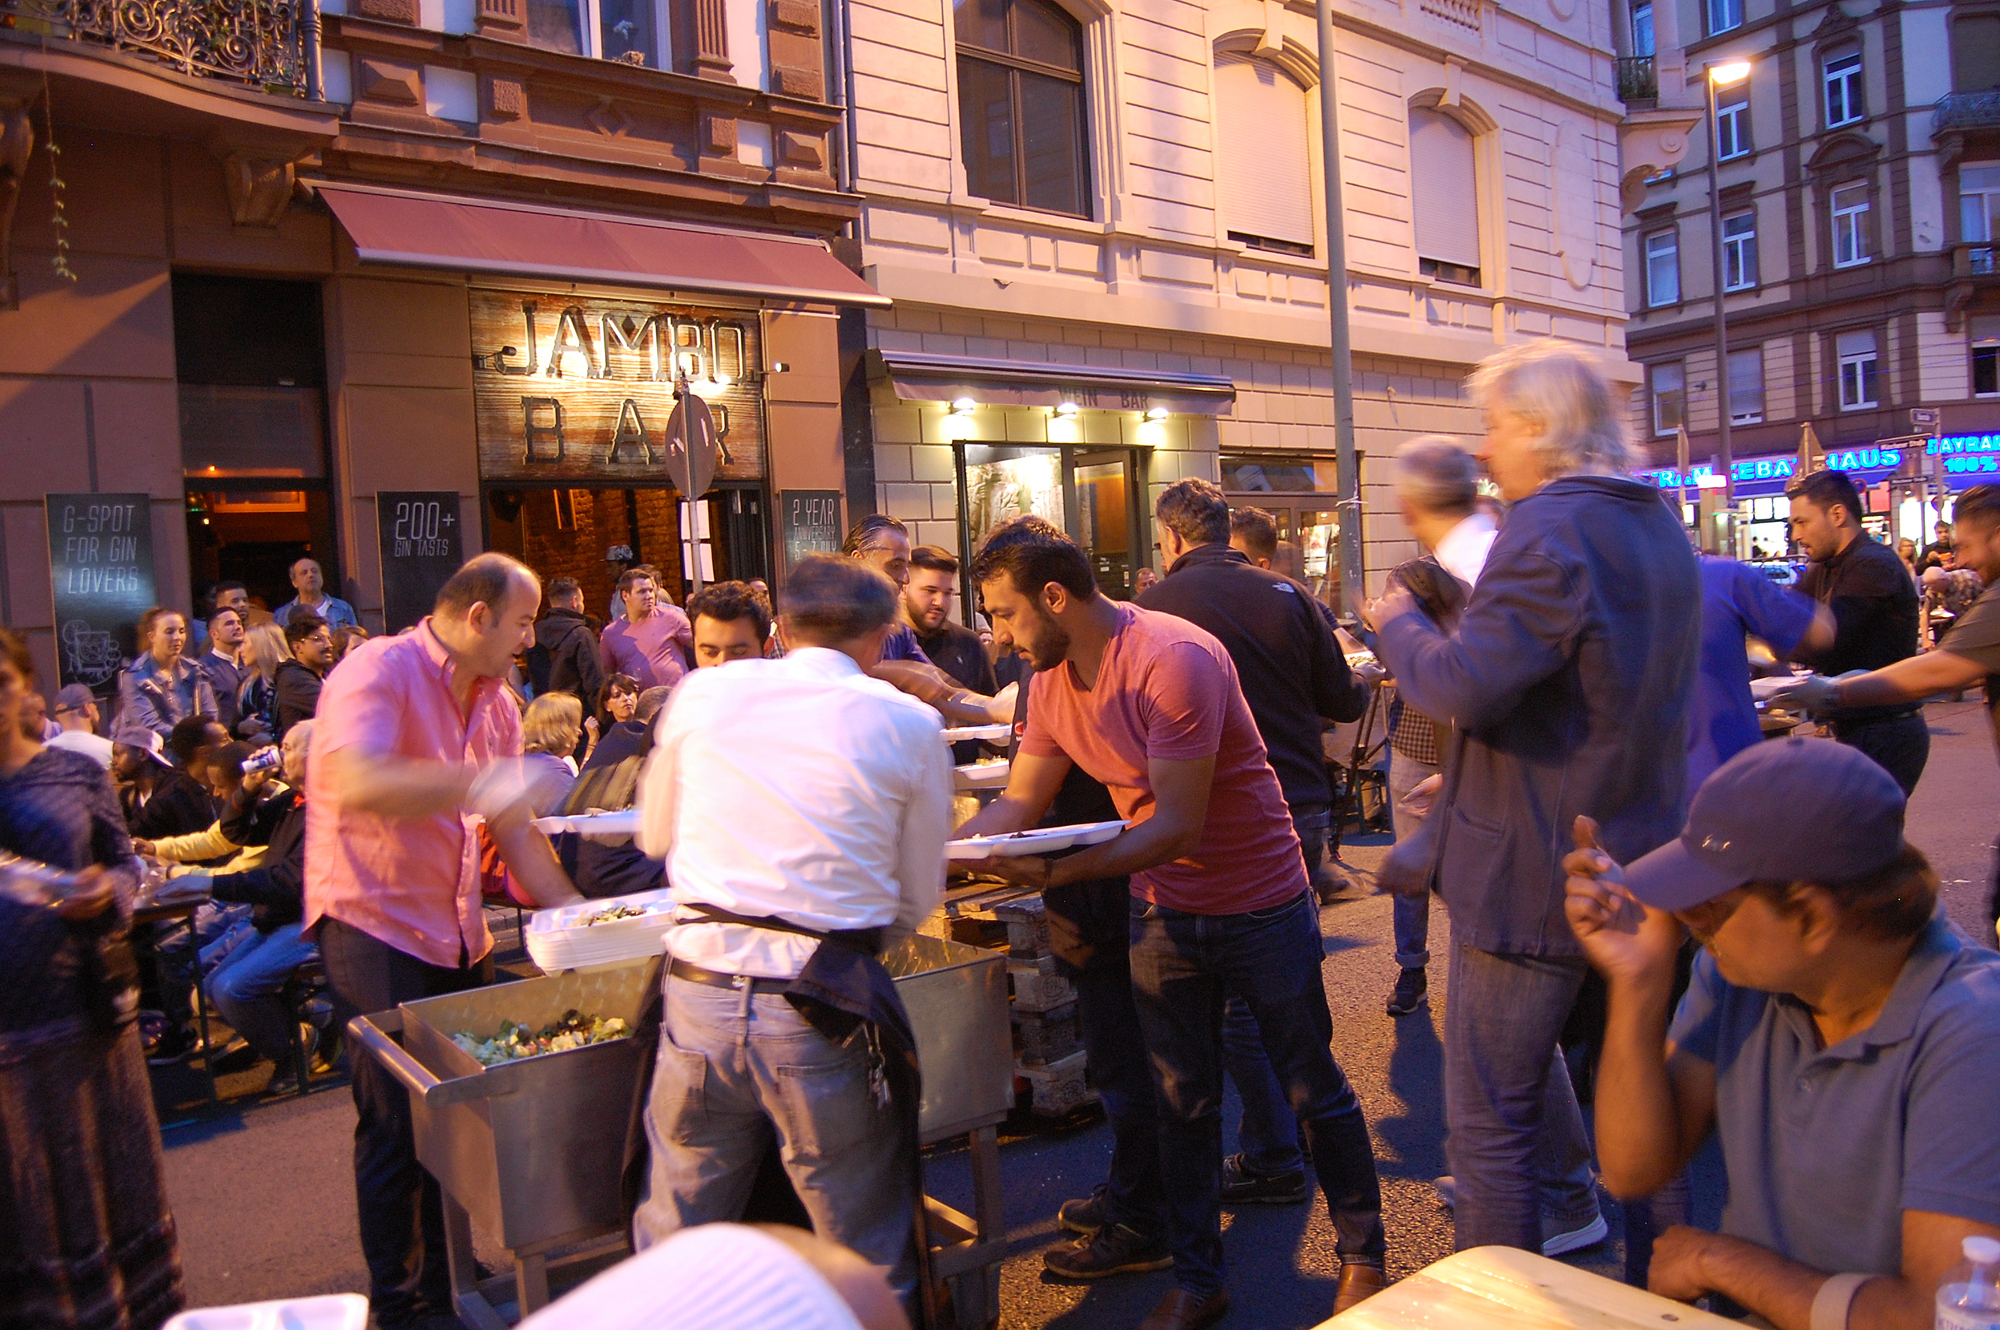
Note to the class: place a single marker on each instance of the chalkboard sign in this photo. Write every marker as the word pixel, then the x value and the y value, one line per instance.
pixel 422 547
pixel 101 570
pixel 811 521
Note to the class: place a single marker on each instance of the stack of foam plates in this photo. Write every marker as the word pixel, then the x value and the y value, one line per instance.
pixel 982 775
pixel 991 733
pixel 624 822
pixel 1042 840
pixel 338 1311
pixel 564 939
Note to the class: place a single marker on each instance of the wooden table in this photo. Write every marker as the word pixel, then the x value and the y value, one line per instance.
pixel 1505 1288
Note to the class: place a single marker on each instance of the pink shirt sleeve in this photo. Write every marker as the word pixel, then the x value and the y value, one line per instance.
pixel 362 704
pixel 1183 703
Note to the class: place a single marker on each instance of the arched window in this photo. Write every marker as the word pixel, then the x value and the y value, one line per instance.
pixel 1263 169
pixel 1444 194
pixel 1020 101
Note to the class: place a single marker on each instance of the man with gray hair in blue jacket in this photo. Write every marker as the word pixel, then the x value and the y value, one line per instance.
pixel 1567 682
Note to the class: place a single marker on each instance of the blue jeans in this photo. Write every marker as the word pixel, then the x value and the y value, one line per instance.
pixel 177 949
pixel 1411 915
pixel 247 979
pixel 1517 1144
pixel 1183 967
pixel 1090 933
pixel 733 1067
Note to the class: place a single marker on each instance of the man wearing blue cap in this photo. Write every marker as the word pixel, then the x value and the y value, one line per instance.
pixel 1839 1036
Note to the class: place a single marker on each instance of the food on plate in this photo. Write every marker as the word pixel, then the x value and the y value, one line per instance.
pixel 616 913
pixel 513 1042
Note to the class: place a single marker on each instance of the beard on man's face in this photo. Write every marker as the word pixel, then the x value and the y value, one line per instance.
pixel 1051 645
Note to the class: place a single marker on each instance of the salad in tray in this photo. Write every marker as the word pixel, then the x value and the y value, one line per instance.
pixel 513 1042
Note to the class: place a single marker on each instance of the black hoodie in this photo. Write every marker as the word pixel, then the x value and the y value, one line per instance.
pixel 564 657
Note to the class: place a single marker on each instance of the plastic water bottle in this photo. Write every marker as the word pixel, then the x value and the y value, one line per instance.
pixel 1969 1297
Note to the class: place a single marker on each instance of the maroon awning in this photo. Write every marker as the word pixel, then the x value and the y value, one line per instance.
pixel 483 235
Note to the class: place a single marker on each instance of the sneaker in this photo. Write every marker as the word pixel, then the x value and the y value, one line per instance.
pixel 1560 1237
pixel 1242 1187
pixel 170 1047
pixel 1446 1188
pixel 1118 1250
pixel 1086 1215
pixel 1412 992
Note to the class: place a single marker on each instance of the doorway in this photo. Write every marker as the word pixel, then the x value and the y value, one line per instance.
pixel 594 533
pixel 251 368
pixel 1088 492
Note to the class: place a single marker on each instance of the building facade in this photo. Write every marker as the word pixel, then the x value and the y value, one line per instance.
pixel 1102 226
pixel 396 281
pixel 1859 190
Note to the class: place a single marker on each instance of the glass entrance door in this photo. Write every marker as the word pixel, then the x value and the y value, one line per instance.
pixel 1088 492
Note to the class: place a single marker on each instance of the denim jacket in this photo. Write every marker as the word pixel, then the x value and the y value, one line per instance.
pixel 159 700
pixel 1568 682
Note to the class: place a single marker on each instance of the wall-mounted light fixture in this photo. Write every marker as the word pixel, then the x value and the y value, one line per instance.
pixel 1066 410
pixel 1156 414
pixel 964 406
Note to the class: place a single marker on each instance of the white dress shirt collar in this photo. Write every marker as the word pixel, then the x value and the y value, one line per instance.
pixel 1463 549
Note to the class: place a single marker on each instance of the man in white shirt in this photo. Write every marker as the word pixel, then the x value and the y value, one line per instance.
pixel 76 712
pixel 816 801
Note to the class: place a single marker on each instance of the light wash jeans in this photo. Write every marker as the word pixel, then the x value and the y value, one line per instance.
pixel 1410 915
pixel 735 1066
pixel 1517 1144
pixel 247 980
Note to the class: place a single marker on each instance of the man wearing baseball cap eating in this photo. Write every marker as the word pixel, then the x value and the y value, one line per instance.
pixel 1839 1037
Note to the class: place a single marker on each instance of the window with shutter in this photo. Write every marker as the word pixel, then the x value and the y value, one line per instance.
pixel 1669 384
pixel 1856 351
pixel 1444 193
pixel 1746 386
pixel 1263 167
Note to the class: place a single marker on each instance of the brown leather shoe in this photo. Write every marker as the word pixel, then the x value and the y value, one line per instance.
pixel 1359 1281
pixel 1184 1309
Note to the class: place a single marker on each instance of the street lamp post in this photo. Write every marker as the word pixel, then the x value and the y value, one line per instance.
pixel 1347 476
pixel 1720 74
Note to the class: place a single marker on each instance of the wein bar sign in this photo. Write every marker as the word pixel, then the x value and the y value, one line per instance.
pixel 422 547
pixel 101 571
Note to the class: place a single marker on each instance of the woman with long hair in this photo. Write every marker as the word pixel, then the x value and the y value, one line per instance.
pixel 616 701
pixel 161 687
pixel 264 650
pixel 90 1241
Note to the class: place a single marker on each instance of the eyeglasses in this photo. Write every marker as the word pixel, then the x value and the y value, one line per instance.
pixel 1706 919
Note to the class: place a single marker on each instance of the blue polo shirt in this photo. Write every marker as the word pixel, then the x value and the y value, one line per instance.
pixel 1826 1147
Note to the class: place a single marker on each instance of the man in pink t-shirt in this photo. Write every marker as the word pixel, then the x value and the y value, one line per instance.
pixel 654 642
pixel 416 732
pixel 1149 705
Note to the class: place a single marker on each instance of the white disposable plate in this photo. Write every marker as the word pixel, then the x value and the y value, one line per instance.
pixel 993 733
pixel 338 1311
pixel 622 823
pixel 1042 840
pixel 1762 689
pixel 982 775
pixel 558 939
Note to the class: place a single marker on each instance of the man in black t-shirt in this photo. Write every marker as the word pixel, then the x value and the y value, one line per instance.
pixel 1874 606
pixel 927 605
pixel 1970 654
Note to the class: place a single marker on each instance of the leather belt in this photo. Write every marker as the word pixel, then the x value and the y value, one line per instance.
pixel 695 974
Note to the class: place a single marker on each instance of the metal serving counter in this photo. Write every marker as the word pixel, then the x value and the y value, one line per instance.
pixel 532 1150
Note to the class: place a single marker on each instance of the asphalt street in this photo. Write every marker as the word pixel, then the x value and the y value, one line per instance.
pixel 263 1193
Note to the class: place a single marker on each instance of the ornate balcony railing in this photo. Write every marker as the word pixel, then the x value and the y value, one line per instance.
pixel 1636 80
pixel 1966 110
pixel 263 43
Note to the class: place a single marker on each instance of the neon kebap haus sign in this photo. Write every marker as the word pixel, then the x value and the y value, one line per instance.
pixel 1781 468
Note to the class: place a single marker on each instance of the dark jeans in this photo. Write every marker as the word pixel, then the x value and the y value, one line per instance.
pixel 1090 929
pixel 1183 966
pixel 401 1211
pixel 1901 744
pixel 1269 1133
